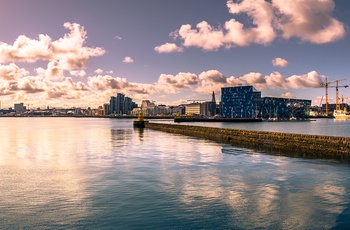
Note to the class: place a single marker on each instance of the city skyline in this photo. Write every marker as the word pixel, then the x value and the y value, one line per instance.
pixel 81 53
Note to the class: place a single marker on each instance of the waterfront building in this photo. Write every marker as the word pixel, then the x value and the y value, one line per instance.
pixel 284 108
pixel 119 108
pixel 147 107
pixel 161 110
pixel 193 109
pixel 112 105
pixel 240 102
pixel 106 109
pixel 20 108
pixel 78 112
pixel 212 109
pixel 128 105
pixel 120 105
pixel 7 112
pixel 181 109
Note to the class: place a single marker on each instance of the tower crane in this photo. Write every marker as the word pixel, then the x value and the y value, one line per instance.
pixel 337 107
pixel 342 100
pixel 319 107
pixel 326 85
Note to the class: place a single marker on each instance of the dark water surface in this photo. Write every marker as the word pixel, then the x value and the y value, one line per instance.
pixel 81 173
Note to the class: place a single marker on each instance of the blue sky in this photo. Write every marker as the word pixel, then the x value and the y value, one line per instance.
pixel 82 52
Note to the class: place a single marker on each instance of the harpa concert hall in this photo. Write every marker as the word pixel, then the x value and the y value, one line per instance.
pixel 246 102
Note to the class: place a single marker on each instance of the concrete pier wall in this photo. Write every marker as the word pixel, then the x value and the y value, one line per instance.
pixel 311 145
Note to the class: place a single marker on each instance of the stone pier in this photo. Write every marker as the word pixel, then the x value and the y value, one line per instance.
pixel 313 146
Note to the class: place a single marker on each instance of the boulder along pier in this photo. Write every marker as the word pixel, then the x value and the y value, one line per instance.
pixel 287 144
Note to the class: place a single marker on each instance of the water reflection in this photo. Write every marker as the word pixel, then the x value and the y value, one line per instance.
pixel 75 173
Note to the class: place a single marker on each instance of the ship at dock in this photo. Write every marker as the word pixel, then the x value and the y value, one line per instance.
pixel 341 114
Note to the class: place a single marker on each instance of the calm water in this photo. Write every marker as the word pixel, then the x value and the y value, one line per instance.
pixel 69 173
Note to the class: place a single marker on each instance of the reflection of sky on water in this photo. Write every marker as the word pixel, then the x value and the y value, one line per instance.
pixel 69 170
pixel 262 189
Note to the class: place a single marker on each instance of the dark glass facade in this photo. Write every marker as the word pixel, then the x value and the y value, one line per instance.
pixel 240 102
pixel 284 108
pixel 246 102
pixel 121 104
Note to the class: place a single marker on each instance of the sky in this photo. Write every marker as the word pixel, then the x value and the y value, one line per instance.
pixel 79 53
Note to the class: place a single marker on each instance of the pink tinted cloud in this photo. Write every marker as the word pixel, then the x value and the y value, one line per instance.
pixel 128 60
pixel 308 20
pixel 279 62
pixel 168 48
pixel 68 51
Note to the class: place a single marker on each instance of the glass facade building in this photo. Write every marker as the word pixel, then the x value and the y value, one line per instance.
pixel 284 108
pixel 240 102
pixel 246 102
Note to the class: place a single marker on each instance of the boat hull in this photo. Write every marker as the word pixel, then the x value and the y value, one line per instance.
pixel 341 115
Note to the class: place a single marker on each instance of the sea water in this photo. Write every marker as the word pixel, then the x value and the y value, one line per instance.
pixel 91 173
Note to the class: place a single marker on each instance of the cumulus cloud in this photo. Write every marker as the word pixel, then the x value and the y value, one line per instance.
pixel 261 13
pixel 107 82
pixel 204 36
pixel 211 80
pixel 98 71
pixel 128 60
pixel 53 71
pixel 168 48
pixel 68 51
pixel 309 80
pixel 67 89
pixel 279 62
pixel 142 89
pixel 12 72
pixel 287 95
pixel 308 20
pixel 172 84
pixel 78 73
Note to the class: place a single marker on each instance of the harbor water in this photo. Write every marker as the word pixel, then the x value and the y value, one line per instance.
pixel 92 173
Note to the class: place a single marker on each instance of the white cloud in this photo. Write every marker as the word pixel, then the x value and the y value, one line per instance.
pixel 98 71
pixel 211 80
pixel 118 37
pixel 53 72
pixel 205 36
pixel 172 84
pixel 107 82
pixel 12 72
pixel 309 80
pixel 128 60
pixel 287 95
pixel 68 51
pixel 168 48
pixel 279 62
pixel 261 12
pixel 78 73
pixel 308 20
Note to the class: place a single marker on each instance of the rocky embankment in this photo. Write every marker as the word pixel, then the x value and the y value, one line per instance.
pixel 278 143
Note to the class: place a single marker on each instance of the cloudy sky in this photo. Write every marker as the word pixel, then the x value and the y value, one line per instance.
pixel 81 52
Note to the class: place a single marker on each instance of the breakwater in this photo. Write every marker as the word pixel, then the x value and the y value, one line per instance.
pixel 313 146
